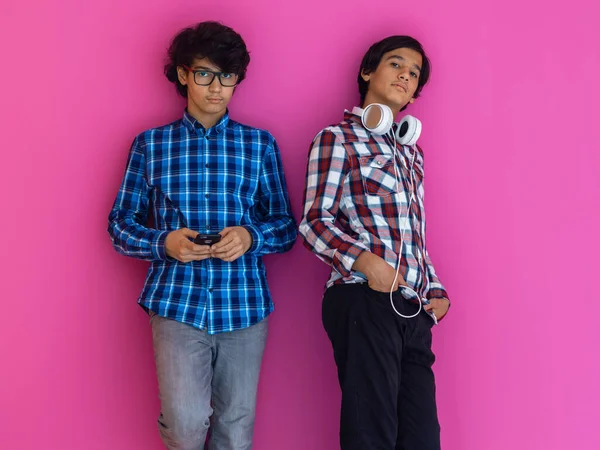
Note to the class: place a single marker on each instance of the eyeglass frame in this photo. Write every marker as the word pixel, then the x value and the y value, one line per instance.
pixel 214 74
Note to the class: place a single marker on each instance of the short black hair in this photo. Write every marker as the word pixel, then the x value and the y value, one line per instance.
pixel 213 40
pixel 374 55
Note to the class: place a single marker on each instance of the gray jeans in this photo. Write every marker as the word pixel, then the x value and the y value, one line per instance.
pixel 207 381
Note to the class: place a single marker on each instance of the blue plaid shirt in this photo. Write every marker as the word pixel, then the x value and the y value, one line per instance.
pixel 205 180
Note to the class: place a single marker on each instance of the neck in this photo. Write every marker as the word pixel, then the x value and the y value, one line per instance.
pixel 370 99
pixel 207 120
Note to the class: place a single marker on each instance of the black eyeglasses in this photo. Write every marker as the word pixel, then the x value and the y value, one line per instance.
pixel 204 77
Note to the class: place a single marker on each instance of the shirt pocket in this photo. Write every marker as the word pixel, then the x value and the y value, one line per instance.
pixel 378 175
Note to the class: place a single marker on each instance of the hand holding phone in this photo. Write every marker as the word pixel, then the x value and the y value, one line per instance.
pixel 180 245
pixel 236 241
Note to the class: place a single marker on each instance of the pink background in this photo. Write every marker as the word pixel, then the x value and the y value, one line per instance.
pixel 511 143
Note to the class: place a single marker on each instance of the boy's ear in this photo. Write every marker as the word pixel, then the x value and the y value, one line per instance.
pixel 182 75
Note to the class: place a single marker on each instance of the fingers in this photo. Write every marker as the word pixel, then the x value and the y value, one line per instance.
pixel 225 231
pixel 225 248
pixel 226 237
pixel 195 250
pixel 190 258
pixel 230 252
pixel 188 251
pixel 401 281
pixel 232 255
pixel 432 310
pixel 225 240
pixel 230 247
pixel 188 247
pixel 188 233
pixel 438 307
pixel 200 249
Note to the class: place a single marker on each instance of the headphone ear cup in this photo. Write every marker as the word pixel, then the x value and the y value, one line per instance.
pixel 377 118
pixel 409 130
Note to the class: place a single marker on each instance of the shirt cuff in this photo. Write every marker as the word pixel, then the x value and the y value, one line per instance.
pixel 257 238
pixel 157 245
pixel 437 293
pixel 345 256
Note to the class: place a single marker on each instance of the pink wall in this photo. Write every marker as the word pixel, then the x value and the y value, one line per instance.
pixel 510 135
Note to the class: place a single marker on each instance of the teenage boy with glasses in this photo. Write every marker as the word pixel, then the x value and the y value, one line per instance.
pixel 205 173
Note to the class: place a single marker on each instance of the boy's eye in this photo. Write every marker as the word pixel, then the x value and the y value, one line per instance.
pixel 396 65
pixel 413 74
pixel 203 73
pixel 226 75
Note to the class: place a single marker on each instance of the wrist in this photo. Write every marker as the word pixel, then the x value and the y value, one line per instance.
pixel 366 263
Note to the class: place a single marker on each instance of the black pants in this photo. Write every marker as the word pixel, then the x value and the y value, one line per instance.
pixel 384 368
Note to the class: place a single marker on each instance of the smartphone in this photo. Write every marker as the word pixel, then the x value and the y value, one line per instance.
pixel 207 239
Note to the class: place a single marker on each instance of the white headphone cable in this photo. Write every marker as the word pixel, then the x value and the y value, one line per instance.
pixel 402 232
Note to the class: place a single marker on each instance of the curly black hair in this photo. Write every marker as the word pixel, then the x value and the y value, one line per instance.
pixel 373 57
pixel 220 44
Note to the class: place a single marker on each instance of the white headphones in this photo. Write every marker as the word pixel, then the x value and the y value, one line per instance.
pixel 378 119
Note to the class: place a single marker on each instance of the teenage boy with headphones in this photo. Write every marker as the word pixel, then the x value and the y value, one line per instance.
pixel 364 216
pixel 205 173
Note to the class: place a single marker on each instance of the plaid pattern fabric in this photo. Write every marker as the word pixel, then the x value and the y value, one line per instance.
pixel 182 175
pixel 354 201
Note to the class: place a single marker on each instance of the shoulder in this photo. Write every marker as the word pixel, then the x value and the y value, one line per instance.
pixel 152 135
pixel 342 133
pixel 248 133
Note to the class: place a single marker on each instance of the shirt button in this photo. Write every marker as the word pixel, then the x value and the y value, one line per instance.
pixel 210 290
pixel 207 195
pixel 208 226
pixel 206 165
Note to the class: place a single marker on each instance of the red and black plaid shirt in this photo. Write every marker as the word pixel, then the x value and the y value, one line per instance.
pixel 354 202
